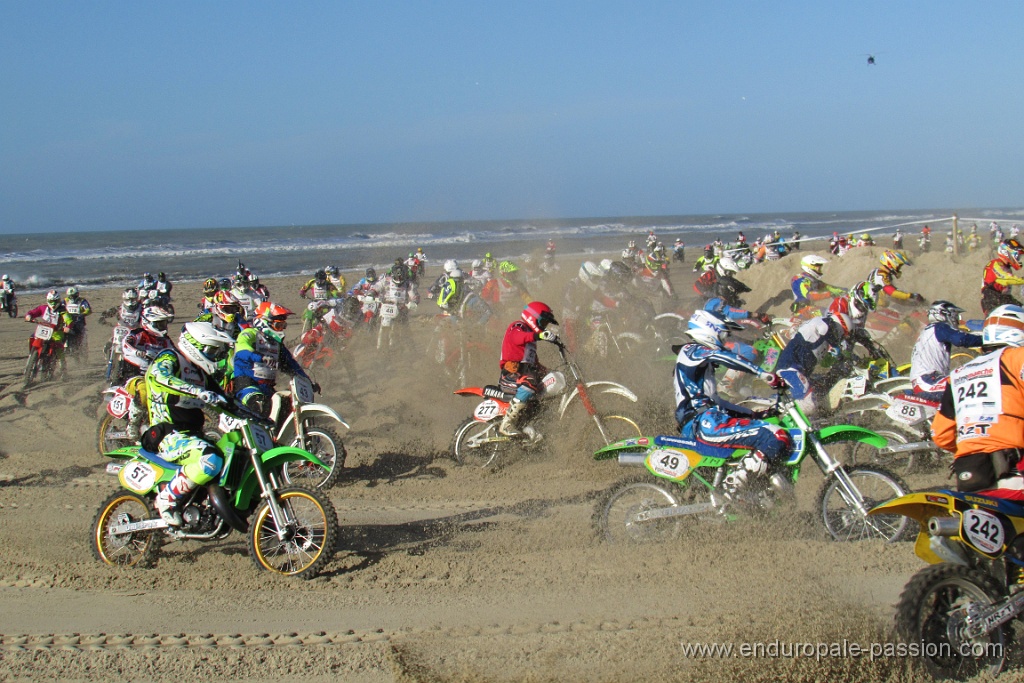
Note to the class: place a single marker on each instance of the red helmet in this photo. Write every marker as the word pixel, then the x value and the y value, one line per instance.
pixel 538 315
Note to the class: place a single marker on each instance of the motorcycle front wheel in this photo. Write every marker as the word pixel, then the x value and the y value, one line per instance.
pixel 927 614
pixel 324 444
pixel 32 366
pixel 114 433
pixel 615 515
pixel 478 444
pixel 844 521
pixel 137 549
pixel 310 533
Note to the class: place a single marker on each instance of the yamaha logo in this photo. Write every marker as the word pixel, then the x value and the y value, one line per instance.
pixel 964 476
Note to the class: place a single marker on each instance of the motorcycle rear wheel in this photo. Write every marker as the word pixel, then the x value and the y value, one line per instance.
pixel 876 485
pixel 923 616
pixel 311 538
pixel 113 434
pixel 466 448
pixel 137 549
pixel 326 445
pixel 616 509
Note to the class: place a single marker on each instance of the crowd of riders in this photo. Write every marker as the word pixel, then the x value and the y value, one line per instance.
pixel 234 349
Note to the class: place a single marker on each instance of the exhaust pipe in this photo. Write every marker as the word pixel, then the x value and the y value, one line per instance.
pixel 943 526
pixel 632 459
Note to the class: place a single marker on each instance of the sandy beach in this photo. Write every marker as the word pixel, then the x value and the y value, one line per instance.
pixel 442 573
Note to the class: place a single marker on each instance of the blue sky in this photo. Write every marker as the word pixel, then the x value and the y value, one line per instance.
pixel 136 115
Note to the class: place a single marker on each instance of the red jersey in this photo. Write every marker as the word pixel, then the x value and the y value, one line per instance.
pixel 519 344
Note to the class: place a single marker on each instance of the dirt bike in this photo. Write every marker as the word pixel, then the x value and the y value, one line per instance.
pixel 689 482
pixel 43 352
pixel 291 530
pixel 296 415
pixel 9 302
pixel 115 430
pixel 960 609
pixel 117 370
pixel 317 345
pixel 478 442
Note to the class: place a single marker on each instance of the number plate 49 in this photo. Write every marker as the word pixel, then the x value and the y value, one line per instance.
pixel 669 464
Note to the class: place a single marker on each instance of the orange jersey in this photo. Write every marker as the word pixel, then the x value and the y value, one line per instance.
pixel 971 418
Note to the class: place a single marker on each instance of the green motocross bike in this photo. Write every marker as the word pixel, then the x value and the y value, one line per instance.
pixel 291 529
pixel 685 481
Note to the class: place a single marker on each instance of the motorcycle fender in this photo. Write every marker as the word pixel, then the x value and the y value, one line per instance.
pixel 123 453
pixel 606 387
pixel 275 457
pixel 920 506
pixel 634 443
pixel 838 433
pixel 307 410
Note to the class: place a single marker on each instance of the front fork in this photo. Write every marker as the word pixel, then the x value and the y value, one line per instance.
pixel 830 466
pixel 269 486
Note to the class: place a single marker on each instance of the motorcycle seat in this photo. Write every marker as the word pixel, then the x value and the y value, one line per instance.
pixel 909 396
pixel 696 446
pixel 494 391
pixel 157 460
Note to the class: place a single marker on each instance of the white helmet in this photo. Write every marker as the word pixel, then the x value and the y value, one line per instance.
pixel 727 266
pixel 450 265
pixel 590 273
pixel 5 277
pixel 606 265
pixel 708 329
pixel 456 274
pixel 204 345
pixel 477 264
pixel 1004 326
pixel 811 265
pixel 155 320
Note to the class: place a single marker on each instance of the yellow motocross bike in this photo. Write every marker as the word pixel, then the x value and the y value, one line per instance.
pixel 956 614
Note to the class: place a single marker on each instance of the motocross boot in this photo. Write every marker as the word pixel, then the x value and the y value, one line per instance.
pixel 508 423
pixel 170 496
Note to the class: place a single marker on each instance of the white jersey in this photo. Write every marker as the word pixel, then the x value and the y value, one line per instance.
pixel 930 356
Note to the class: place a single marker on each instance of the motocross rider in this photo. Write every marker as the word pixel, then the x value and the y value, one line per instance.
pixel 396 288
pixel 706 417
pixel 929 362
pixel 54 312
pixel 139 349
pixel 807 285
pixel 163 287
pixel 129 312
pixel 320 287
pixel 225 314
pixel 435 289
pixel 147 284
pixel 707 261
pixel 6 291
pixel 78 307
pixel 521 370
pixel 363 288
pixel 210 289
pixel 980 414
pixel 143 343
pixel 892 263
pixel 259 352
pixel 998 279
pixel 812 340
pixel 335 277
pixel 179 381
